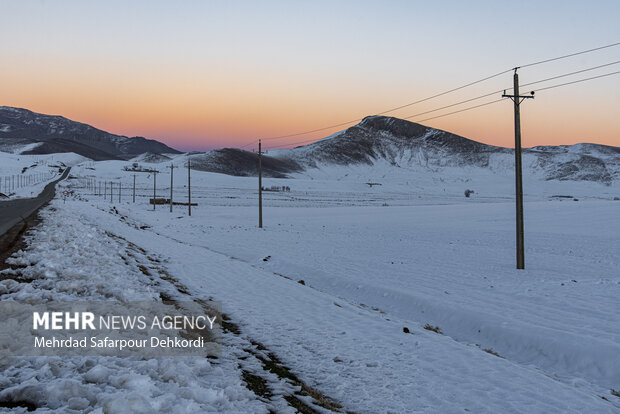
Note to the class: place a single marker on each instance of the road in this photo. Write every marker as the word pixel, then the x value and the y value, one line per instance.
pixel 14 211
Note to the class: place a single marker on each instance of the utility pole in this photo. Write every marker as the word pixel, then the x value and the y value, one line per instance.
pixel 189 188
pixel 171 183
pixel 517 99
pixel 134 188
pixel 260 187
pixel 154 189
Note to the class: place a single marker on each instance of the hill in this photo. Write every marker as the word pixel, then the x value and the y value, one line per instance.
pixel 21 128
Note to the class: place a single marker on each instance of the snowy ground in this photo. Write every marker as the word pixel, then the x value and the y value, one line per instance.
pixel 23 176
pixel 373 260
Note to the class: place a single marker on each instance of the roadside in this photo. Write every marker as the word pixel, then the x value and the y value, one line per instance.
pixel 12 212
pixel 67 257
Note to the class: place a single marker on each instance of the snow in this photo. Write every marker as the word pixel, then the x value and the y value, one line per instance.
pixel 72 258
pixel 42 169
pixel 28 147
pixel 412 252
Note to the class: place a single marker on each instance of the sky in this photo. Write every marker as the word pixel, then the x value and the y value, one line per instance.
pixel 205 74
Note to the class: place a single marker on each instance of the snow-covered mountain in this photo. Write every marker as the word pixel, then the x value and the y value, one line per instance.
pixel 389 143
pixel 36 133
pixel 149 157
pixel 238 162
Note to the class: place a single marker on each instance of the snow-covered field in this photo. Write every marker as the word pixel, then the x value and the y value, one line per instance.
pixel 410 253
pixel 23 176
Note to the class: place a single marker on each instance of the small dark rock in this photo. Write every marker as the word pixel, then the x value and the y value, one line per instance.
pixel 301 282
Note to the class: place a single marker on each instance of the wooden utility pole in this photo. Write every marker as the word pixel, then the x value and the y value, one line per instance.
pixel 189 188
pixel 260 187
pixel 517 99
pixel 154 189
pixel 171 183
pixel 134 189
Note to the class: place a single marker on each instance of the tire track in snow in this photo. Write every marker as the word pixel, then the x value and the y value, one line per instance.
pixel 273 379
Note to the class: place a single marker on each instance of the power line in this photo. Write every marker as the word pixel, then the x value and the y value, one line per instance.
pixel 507 89
pixel 392 109
pixel 439 116
pixel 454 104
pixel 495 101
pixel 298 143
pixel 462 110
pixel 567 56
pixel 571 73
pixel 444 93
pixel 536 90
pixel 314 130
pixel 248 144
pixel 577 81
pixel 457 89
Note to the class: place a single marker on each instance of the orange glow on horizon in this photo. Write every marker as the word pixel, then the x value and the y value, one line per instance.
pixel 200 115
pixel 213 74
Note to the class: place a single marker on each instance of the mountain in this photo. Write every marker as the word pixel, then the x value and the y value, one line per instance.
pixel 234 161
pixel 399 142
pixel 151 158
pixel 391 143
pixel 387 143
pixel 52 134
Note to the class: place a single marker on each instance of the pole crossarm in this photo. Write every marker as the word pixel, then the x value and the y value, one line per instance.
pixel 516 98
pixel 520 97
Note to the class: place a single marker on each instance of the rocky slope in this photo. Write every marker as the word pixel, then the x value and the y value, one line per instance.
pixel 392 142
pixel 53 134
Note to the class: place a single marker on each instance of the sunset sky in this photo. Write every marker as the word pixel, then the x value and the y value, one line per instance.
pixel 207 74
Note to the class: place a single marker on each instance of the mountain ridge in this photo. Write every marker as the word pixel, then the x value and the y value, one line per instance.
pixel 404 144
pixel 375 140
pixel 20 126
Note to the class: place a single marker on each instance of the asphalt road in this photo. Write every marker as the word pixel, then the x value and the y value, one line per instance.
pixel 14 211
